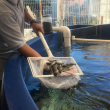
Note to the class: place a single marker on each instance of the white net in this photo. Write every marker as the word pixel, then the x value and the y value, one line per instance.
pixel 59 82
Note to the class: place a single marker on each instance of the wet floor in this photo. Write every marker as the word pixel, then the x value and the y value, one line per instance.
pixel 92 92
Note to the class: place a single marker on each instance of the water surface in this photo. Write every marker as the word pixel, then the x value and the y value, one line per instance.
pixel 92 92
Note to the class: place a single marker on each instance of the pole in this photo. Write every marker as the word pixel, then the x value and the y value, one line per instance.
pixel 40 9
pixel 58 13
pixel 61 12
pixel 101 19
pixel 74 21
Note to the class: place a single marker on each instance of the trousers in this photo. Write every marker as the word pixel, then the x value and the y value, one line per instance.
pixel 2 66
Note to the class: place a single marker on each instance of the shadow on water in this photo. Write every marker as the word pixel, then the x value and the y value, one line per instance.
pixel 92 92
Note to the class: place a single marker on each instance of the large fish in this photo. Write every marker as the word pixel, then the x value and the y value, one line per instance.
pixel 47 69
pixel 66 68
pixel 55 70
pixel 59 67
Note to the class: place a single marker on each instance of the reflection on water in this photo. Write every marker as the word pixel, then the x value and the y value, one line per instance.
pixel 93 91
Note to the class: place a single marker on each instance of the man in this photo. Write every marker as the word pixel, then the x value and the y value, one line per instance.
pixel 12 16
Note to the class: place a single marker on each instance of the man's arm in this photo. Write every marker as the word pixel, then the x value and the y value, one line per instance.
pixel 28 18
pixel 36 27
pixel 27 51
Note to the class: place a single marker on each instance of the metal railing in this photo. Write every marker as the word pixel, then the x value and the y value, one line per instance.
pixel 71 12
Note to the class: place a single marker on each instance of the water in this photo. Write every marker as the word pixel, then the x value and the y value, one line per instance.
pixel 92 92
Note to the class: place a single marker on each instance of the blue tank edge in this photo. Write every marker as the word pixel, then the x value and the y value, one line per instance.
pixel 16 93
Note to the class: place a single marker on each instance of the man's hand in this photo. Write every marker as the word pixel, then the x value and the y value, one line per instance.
pixel 36 27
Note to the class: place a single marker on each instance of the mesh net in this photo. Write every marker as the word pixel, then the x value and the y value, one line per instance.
pixel 59 82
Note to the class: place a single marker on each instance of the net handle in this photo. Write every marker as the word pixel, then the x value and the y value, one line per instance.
pixel 45 45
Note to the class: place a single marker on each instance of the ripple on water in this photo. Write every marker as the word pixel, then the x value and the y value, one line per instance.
pixel 93 91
